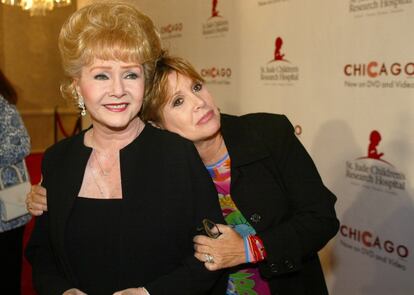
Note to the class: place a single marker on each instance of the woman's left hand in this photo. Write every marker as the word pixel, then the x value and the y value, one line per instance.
pixel 225 251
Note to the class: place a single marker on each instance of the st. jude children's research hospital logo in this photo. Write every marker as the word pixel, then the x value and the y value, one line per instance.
pixel 373 171
pixel 279 70
pixel 216 25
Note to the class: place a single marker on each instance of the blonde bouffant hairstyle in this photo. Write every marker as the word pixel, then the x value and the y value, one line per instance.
pixel 108 30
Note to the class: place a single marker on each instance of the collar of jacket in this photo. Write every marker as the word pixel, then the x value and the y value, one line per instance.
pixel 242 140
pixel 74 161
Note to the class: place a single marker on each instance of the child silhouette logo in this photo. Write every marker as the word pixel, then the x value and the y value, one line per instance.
pixel 214 11
pixel 374 139
pixel 278 46
pixel 216 24
pixel 277 55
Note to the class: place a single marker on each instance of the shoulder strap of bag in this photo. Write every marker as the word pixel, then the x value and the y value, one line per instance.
pixel 18 173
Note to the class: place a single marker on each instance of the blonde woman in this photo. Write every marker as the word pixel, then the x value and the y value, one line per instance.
pixel 124 198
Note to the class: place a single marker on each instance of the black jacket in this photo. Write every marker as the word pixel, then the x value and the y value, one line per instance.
pixel 166 193
pixel 276 186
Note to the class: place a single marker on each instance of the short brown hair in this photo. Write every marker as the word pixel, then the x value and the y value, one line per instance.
pixel 157 97
pixel 107 30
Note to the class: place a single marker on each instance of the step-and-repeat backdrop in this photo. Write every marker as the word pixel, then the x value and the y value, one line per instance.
pixel 343 72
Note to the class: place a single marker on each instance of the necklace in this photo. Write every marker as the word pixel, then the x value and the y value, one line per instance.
pixel 95 178
pixel 108 171
pixel 103 172
pixel 94 152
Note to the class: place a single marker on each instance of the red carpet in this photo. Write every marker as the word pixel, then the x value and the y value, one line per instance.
pixel 33 162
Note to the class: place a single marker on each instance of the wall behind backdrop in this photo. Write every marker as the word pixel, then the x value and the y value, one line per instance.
pixel 30 59
pixel 343 72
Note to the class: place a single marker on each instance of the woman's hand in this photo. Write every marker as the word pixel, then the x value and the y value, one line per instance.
pixel 74 291
pixel 225 251
pixel 132 291
pixel 36 201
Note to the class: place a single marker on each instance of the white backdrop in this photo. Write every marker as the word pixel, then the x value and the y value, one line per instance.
pixel 341 69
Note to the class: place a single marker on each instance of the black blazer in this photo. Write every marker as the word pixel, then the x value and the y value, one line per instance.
pixel 166 193
pixel 276 186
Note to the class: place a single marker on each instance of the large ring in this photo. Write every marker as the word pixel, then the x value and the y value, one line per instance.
pixel 209 258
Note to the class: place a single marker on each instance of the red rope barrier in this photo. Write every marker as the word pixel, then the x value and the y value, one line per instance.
pixel 76 128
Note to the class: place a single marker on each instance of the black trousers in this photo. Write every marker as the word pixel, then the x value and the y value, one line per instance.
pixel 11 247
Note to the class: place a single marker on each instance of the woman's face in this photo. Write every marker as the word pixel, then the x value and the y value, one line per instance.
pixel 112 91
pixel 190 110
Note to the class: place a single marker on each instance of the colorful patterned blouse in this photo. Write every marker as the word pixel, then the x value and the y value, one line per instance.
pixel 246 281
pixel 14 147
